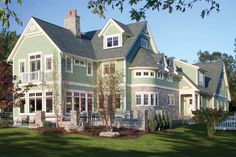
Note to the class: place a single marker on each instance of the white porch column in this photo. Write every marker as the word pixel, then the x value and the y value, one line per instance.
pixel 198 101
pixel 194 101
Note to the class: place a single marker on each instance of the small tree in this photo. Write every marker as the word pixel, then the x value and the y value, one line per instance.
pixel 108 91
pixel 210 117
pixel 152 123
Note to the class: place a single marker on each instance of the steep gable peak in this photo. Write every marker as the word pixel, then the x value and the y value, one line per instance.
pixel 122 28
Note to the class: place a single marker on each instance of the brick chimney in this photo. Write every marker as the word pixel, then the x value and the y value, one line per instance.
pixel 72 23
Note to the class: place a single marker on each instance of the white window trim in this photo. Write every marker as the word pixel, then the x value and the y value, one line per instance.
pixel 120 41
pixel 35 91
pixel 149 98
pixel 78 64
pixel 20 61
pixel 34 54
pixel 71 58
pixel 104 63
pixel 203 79
pixel 91 68
pixel 173 96
pixel 142 74
pixel 45 63
pixel 160 78
pixel 45 100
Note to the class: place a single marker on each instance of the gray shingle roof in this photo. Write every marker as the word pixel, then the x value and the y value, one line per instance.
pixel 66 41
pixel 89 45
pixel 213 74
pixel 146 58
pixel 124 27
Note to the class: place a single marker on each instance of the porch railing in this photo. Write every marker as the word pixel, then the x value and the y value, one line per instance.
pixel 36 76
pixel 228 124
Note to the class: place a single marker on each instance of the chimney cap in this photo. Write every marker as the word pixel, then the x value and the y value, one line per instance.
pixel 75 12
pixel 69 13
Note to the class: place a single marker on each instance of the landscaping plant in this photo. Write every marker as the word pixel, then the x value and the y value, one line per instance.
pixel 152 124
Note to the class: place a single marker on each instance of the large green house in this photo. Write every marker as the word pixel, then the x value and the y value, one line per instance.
pixel 65 62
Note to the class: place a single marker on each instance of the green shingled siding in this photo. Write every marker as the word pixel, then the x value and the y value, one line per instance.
pixel 112 30
pixel 190 71
pixel 34 44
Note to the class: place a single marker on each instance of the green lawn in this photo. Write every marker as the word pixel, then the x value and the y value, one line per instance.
pixel 183 142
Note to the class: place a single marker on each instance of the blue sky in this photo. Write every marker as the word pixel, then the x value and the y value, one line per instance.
pixel 180 35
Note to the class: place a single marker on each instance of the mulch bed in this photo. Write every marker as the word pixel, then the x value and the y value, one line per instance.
pixel 92 131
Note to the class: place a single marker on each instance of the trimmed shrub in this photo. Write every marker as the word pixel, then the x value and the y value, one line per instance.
pixel 47 124
pixel 152 124
pixel 5 123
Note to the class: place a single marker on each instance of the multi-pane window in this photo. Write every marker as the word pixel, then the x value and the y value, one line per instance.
pixel 145 73
pixel 69 65
pixel 109 68
pixel 159 74
pixel 80 62
pixel 35 66
pixel 49 104
pixel 201 78
pixel 76 100
pixel 171 99
pixel 112 42
pixel 138 73
pixel 145 99
pixel 22 67
pixel 35 102
pixel 83 101
pixel 90 102
pixel 138 99
pixel 48 63
pixel 68 106
pixel 89 69
pixel 22 105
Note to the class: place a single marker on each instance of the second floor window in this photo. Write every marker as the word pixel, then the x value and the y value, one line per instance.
pixel 109 68
pixel 22 67
pixel 48 63
pixel 112 41
pixel 35 63
pixel 201 79
pixel 69 65
pixel 89 69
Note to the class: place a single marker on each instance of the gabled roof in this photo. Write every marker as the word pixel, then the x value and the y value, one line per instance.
pixel 66 41
pixel 146 58
pixel 90 45
pixel 213 75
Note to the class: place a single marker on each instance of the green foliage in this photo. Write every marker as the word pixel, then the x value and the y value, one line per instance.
pixel 6 13
pixel 99 6
pixel 5 123
pixel 211 117
pixel 47 124
pixel 152 124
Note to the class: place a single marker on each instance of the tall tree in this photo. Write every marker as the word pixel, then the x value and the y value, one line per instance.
pixel 99 6
pixel 7 42
pixel 6 13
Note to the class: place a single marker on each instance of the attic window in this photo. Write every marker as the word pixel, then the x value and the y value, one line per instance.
pixel 144 43
pixel 112 41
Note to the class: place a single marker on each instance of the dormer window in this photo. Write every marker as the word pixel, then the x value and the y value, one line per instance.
pixel 201 81
pixel 144 43
pixel 112 41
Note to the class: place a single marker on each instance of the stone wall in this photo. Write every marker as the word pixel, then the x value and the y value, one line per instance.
pixel 171 110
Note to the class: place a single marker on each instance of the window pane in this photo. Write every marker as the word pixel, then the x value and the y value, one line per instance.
pixel 68 104
pixel 48 63
pixel 82 105
pixel 118 101
pixel 89 68
pixel 152 99
pixel 89 105
pixel 76 102
pixel 32 105
pixel 145 99
pixel 115 41
pixel 138 99
pixel 106 69
pixel 112 68
pixel 49 105
pixel 109 42
pixel 145 73
pixel 38 104
pixel 22 67
pixel 22 106
pixel 68 64
pixel 157 99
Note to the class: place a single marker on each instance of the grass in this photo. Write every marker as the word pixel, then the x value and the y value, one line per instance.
pixel 189 141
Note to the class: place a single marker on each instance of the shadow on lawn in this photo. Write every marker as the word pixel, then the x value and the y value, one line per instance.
pixel 191 141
